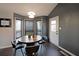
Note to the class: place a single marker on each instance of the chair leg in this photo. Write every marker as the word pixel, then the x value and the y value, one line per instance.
pixel 22 52
pixel 45 46
pixel 41 46
pixel 14 53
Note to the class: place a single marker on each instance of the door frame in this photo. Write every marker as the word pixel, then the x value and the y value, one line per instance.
pixel 56 28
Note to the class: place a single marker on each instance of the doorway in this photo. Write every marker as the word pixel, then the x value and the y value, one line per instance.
pixel 54 30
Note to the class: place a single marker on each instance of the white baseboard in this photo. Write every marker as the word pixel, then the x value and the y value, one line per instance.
pixel 5 47
pixel 66 51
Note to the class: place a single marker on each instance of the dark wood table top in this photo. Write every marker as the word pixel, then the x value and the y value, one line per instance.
pixel 25 39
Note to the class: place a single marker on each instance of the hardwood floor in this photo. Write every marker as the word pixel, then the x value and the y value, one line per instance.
pixel 6 52
pixel 49 50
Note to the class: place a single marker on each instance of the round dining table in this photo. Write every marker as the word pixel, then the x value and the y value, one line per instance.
pixel 29 41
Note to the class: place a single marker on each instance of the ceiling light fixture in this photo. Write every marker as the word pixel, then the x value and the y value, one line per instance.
pixel 31 14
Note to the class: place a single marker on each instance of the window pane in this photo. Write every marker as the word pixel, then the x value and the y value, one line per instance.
pixel 53 22
pixel 18 28
pixel 18 25
pixel 53 28
pixel 29 27
pixel 39 27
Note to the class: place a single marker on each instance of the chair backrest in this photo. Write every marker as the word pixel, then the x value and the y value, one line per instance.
pixel 32 49
pixel 17 46
pixel 45 38
pixel 13 45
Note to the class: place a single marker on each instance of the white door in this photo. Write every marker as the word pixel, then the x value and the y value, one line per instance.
pixel 54 30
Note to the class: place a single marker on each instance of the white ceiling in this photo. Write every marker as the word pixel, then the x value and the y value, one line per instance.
pixel 41 9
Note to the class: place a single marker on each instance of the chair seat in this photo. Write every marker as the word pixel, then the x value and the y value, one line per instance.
pixel 42 41
pixel 19 47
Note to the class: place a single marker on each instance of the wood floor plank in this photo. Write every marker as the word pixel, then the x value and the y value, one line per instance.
pixel 44 51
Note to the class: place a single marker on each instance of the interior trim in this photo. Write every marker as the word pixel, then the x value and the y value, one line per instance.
pixel 66 51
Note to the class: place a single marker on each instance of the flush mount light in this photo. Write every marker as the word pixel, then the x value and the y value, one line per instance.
pixel 31 13
pixel 31 16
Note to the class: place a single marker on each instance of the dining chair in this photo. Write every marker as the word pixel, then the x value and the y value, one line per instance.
pixel 32 50
pixel 43 43
pixel 16 47
pixel 45 38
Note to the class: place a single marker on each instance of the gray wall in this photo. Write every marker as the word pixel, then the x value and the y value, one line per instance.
pixel 69 22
